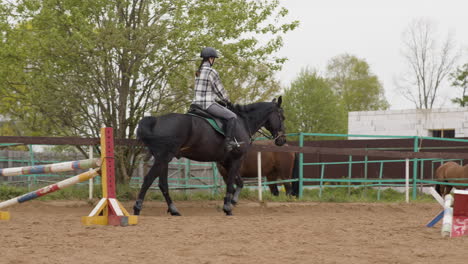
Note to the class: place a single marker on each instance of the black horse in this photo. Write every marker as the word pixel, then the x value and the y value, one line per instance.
pixel 181 135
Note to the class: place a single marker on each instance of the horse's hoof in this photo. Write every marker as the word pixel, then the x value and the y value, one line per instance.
pixel 227 209
pixel 137 207
pixel 173 210
pixel 234 203
pixel 174 213
pixel 136 210
pixel 227 212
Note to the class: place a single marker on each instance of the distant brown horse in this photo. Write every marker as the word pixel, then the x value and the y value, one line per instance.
pixel 447 171
pixel 275 166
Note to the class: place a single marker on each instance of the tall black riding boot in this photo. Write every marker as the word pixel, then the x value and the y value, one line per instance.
pixel 229 144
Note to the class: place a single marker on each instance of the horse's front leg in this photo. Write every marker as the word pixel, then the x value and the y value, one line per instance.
pixel 233 171
pixel 164 187
pixel 239 186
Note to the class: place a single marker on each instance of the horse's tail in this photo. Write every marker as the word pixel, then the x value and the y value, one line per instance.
pixel 145 128
pixel 295 175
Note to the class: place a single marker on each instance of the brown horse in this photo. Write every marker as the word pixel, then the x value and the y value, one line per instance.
pixel 275 166
pixel 447 171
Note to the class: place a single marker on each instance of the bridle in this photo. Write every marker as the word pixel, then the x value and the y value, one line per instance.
pixel 271 137
pixel 279 134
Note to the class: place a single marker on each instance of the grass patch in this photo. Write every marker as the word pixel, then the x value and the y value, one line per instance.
pixel 127 193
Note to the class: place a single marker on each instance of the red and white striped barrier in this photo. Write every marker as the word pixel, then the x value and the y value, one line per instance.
pixel 51 188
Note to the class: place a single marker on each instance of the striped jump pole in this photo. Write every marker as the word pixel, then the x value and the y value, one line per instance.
pixel 52 168
pixel 49 168
pixel 51 188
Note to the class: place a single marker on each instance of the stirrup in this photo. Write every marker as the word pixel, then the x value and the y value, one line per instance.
pixel 232 144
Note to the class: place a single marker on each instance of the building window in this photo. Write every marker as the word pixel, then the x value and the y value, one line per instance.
pixel 443 133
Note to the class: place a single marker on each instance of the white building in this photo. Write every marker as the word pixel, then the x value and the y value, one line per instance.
pixel 448 122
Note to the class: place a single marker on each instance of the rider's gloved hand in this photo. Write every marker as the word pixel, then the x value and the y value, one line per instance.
pixel 229 104
pixel 224 102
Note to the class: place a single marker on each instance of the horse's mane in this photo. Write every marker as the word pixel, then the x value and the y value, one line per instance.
pixel 252 113
pixel 258 108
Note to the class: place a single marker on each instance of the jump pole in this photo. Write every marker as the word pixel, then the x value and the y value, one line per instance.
pixel 441 201
pixel 52 168
pixel 51 188
pixel 109 211
pixel 56 167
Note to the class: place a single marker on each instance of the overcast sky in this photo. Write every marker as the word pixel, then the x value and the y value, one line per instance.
pixel 368 29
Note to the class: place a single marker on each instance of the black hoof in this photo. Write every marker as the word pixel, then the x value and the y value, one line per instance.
pixel 173 213
pixel 136 210
pixel 227 209
pixel 137 207
pixel 227 212
pixel 233 202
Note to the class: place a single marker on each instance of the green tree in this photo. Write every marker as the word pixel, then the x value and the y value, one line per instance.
pixel 311 106
pixel 351 79
pixel 79 65
pixel 460 80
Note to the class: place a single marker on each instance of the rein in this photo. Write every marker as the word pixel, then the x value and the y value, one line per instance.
pixel 271 137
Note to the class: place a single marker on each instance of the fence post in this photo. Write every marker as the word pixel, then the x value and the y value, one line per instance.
pixel 259 171
pixel 186 174
pixel 322 173
pixel 215 178
pixel 380 182
pixel 407 180
pixel 301 165
pixel 90 197
pixel 31 163
pixel 415 168
pixel 350 164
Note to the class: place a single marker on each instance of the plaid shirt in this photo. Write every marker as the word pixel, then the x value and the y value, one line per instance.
pixel 208 87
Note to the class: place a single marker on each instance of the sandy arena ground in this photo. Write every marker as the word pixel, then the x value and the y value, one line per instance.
pixel 50 232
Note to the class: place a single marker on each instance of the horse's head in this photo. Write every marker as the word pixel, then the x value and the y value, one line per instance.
pixel 275 123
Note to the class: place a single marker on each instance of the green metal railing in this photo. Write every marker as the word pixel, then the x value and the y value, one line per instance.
pixel 414 181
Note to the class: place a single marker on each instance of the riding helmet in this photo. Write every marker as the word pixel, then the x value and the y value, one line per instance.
pixel 208 52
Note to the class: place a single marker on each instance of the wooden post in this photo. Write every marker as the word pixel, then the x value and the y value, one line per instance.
pixel 108 211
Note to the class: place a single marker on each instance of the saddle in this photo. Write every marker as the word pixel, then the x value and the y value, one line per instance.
pixel 218 124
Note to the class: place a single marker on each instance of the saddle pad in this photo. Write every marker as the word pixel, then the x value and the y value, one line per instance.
pixel 211 121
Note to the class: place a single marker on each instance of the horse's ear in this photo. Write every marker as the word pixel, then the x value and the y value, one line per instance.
pixel 280 100
pixel 274 100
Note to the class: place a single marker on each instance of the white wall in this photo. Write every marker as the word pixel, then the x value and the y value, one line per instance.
pixel 414 122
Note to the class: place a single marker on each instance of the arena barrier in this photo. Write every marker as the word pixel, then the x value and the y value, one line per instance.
pixel 454 214
pixel 108 211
